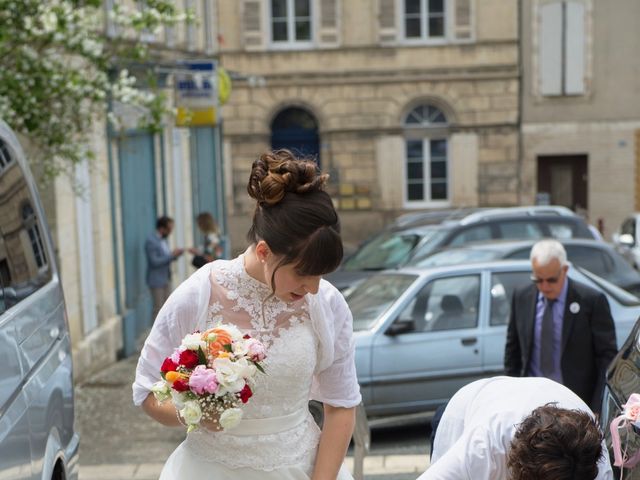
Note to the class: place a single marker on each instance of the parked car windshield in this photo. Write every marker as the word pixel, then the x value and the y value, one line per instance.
pixel 373 297
pixel 619 295
pixel 387 250
pixel 455 257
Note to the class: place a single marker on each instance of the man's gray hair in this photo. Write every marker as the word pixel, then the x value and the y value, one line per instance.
pixel 545 251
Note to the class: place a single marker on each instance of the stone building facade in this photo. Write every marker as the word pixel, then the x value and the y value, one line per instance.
pixel 581 107
pixel 413 104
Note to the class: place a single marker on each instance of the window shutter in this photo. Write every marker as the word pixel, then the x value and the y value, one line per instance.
pixel 328 35
pixel 574 49
pixel 252 35
pixel 387 22
pixel 462 26
pixel 550 49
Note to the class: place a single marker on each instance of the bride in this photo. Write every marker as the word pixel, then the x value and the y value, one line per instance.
pixel 275 293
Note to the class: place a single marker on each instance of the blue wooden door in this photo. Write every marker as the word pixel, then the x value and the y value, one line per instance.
pixel 207 186
pixel 296 129
pixel 138 207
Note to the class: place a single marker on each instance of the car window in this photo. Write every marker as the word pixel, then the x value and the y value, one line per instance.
pixel 560 230
pixel 618 294
pixel 520 254
pixel 445 304
pixel 369 300
pixel 24 266
pixel 593 259
pixel 387 250
pixel 473 234
pixel 628 227
pixel 502 286
pixel 519 229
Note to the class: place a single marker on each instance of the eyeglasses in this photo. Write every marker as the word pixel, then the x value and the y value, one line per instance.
pixel 549 280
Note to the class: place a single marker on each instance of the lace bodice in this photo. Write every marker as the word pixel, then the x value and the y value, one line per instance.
pixel 285 328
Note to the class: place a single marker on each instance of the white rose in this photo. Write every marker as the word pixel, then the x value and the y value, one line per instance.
pixel 193 341
pixel 230 418
pixel 191 412
pixel 229 376
pixel 161 391
pixel 244 368
pixel 178 399
pixel 239 348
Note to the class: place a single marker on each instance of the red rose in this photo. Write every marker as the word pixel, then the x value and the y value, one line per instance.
pixel 180 386
pixel 168 365
pixel 245 394
pixel 246 336
pixel 189 358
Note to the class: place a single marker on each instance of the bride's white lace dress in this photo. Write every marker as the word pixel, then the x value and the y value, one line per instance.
pixel 277 438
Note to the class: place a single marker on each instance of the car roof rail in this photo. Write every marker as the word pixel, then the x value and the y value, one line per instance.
pixel 433 216
pixel 531 210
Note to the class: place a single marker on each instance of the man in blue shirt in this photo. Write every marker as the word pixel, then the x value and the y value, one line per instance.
pixel 559 328
pixel 159 258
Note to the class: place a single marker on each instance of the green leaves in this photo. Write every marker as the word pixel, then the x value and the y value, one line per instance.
pixel 55 61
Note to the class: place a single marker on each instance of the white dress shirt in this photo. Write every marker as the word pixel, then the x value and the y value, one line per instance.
pixel 475 432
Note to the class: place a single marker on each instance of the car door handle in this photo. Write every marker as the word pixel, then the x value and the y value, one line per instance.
pixel 469 341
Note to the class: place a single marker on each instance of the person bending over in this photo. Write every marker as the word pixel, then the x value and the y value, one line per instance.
pixel 518 429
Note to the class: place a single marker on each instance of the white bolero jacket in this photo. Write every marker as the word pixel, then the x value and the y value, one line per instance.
pixel 334 382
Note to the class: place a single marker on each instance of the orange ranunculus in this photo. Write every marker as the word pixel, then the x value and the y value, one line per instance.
pixel 222 338
pixel 173 376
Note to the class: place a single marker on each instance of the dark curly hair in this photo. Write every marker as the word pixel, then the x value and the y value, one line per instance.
pixel 555 444
pixel 294 215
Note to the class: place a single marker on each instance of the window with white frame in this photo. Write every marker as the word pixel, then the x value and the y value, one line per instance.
pixel 5 157
pixel 31 225
pixel 427 160
pixel 291 22
pixel 423 19
pixel 561 38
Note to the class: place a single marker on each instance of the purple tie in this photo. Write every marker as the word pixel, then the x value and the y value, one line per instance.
pixel 547 340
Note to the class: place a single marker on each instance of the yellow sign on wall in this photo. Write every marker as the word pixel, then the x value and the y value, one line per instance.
pixel 196 93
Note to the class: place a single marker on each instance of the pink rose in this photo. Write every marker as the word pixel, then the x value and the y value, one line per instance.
pixel 255 349
pixel 633 413
pixel 203 380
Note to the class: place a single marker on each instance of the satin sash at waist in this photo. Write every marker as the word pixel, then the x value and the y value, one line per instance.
pixel 266 426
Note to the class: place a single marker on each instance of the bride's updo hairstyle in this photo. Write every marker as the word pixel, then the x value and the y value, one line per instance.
pixel 294 215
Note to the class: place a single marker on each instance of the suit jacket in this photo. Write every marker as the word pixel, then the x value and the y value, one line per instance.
pixel 588 339
pixel 159 259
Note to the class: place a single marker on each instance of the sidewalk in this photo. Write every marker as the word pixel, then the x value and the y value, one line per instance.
pixel 119 442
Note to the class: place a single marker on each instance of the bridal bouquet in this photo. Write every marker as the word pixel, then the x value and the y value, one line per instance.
pixel 209 375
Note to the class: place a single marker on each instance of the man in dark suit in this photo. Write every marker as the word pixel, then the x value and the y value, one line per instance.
pixel 560 328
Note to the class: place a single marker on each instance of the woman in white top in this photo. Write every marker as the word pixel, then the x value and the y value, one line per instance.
pixel 273 291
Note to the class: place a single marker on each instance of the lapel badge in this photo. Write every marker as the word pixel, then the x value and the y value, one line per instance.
pixel 574 307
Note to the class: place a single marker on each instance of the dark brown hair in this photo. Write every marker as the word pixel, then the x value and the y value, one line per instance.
pixel 206 223
pixel 555 444
pixel 294 215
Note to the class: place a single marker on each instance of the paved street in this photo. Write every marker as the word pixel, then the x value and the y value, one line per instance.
pixel 119 442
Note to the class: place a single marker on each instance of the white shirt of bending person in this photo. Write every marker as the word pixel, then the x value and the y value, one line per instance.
pixel 475 432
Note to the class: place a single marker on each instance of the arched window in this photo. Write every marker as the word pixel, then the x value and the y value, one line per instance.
pixel 296 129
pixel 427 161
pixel 31 225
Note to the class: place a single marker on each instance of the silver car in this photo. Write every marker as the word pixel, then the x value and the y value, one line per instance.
pixel 423 334
pixel 37 437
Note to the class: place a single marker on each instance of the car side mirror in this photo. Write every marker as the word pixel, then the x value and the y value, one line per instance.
pixel 627 240
pixel 399 327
